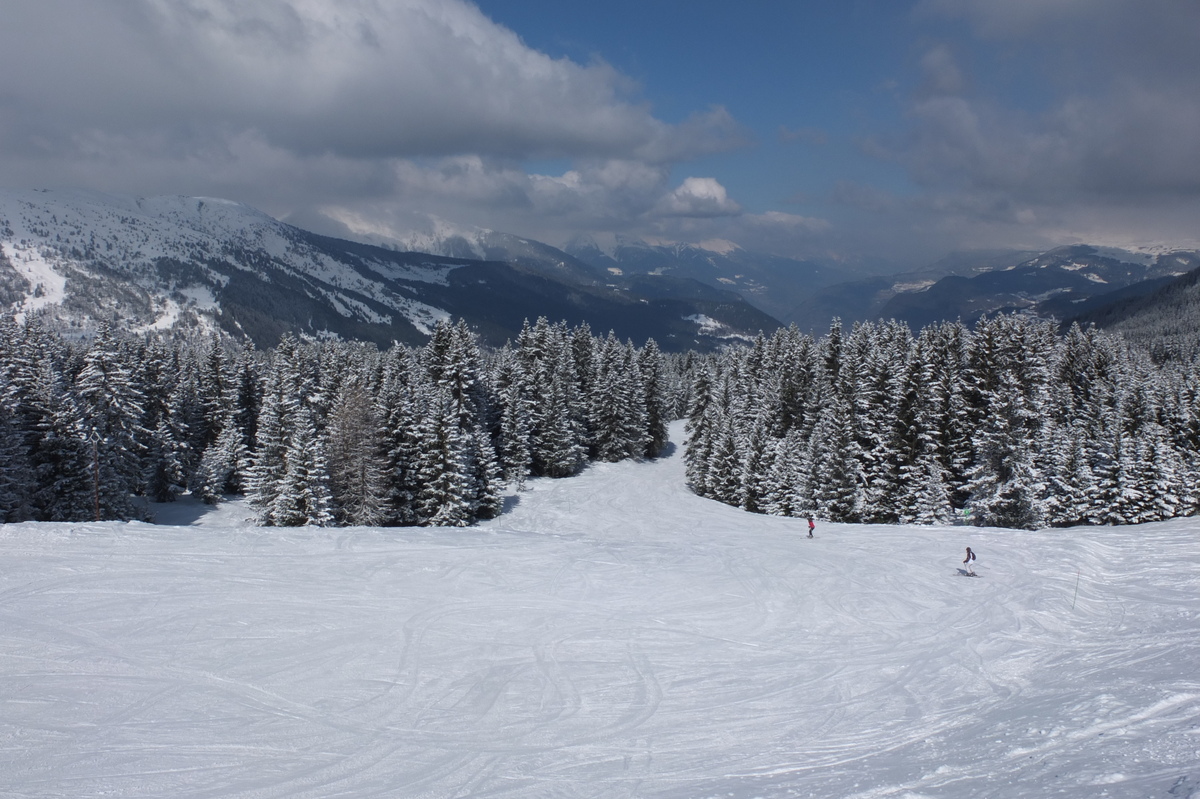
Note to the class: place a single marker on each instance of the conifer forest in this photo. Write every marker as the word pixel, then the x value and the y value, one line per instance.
pixel 316 433
pixel 1009 424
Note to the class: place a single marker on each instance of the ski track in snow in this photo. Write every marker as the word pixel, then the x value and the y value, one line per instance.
pixel 611 635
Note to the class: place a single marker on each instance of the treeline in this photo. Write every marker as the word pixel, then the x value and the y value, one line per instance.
pixel 1010 424
pixel 317 433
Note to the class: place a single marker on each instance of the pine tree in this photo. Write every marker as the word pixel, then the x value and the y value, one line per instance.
pixel 223 466
pixel 304 497
pixel 112 406
pixel 446 494
pixel 356 462
pixel 66 464
pixel 16 486
pixel 656 398
pixel 516 421
pixel 400 397
pixel 785 486
pixel 834 470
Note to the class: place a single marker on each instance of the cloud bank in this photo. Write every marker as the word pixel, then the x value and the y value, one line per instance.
pixel 1017 124
pixel 367 106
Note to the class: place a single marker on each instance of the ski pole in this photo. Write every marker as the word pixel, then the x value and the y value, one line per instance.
pixel 1076 589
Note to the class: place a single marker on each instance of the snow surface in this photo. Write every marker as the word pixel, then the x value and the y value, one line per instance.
pixel 611 635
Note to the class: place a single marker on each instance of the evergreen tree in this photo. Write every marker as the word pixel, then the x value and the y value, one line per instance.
pixel 112 406
pixel 446 494
pixel 66 459
pixel 356 462
pixel 655 398
pixel 303 497
pixel 16 487
pixel 223 466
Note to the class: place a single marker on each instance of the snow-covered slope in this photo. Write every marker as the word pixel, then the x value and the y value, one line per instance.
pixel 78 258
pixel 610 635
pixel 168 261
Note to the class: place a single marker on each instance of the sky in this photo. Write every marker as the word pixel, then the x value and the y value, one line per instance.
pixel 898 130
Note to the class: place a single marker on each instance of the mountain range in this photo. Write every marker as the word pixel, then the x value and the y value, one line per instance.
pixel 1066 283
pixel 190 263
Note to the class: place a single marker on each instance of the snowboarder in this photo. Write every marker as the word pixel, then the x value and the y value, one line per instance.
pixel 811 527
pixel 969 562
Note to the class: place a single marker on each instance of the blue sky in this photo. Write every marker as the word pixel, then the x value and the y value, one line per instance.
pixel 894 130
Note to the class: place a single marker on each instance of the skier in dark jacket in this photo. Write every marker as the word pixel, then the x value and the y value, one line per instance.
pixel 969 562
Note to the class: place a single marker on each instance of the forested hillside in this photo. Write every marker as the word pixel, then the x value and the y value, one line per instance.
pixel 1164 322
pixel 1009 424
pixel 316 433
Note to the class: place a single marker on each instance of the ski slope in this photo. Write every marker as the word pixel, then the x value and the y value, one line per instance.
pixel 610 635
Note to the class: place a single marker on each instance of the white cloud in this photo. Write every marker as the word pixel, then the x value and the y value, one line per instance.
pixel 698 197
pixel 173 95
pixel 779 220
pixel 357 78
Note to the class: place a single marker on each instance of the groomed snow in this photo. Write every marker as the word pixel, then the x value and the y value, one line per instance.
pixel 611 635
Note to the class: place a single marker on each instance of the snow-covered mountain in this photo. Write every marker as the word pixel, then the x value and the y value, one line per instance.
pixel 198 263
pixel 770 282
pixel 591 266
pixel 1060 284
pixel 440 237
pixel 1053 284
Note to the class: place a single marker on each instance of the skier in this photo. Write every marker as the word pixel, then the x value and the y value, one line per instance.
pixel 969 561
pixel 811 527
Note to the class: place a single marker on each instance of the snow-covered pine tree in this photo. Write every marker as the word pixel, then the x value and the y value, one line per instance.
pixel 656 393
pixel 16 485
pixel 1012 367
pixel 883 410
pixel 834 468
pixel 1070 480
pixel 516 419
pixel 705 416
pixel 786 493
pixel 112 407
pixel 401 402
pixel 281 403
pixel 65 462
pixel 223 465
pixel 618 404
pixel 486 476
pixel 724 478
pixel 356 461
pixel 931 497
pixel 303 497
pixel 557 441
pixel 757 452
pixel 446 493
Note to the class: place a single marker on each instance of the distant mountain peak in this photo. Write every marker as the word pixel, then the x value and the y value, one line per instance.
pixel 720 246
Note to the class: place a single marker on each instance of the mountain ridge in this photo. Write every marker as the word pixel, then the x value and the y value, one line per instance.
pixel 191 263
